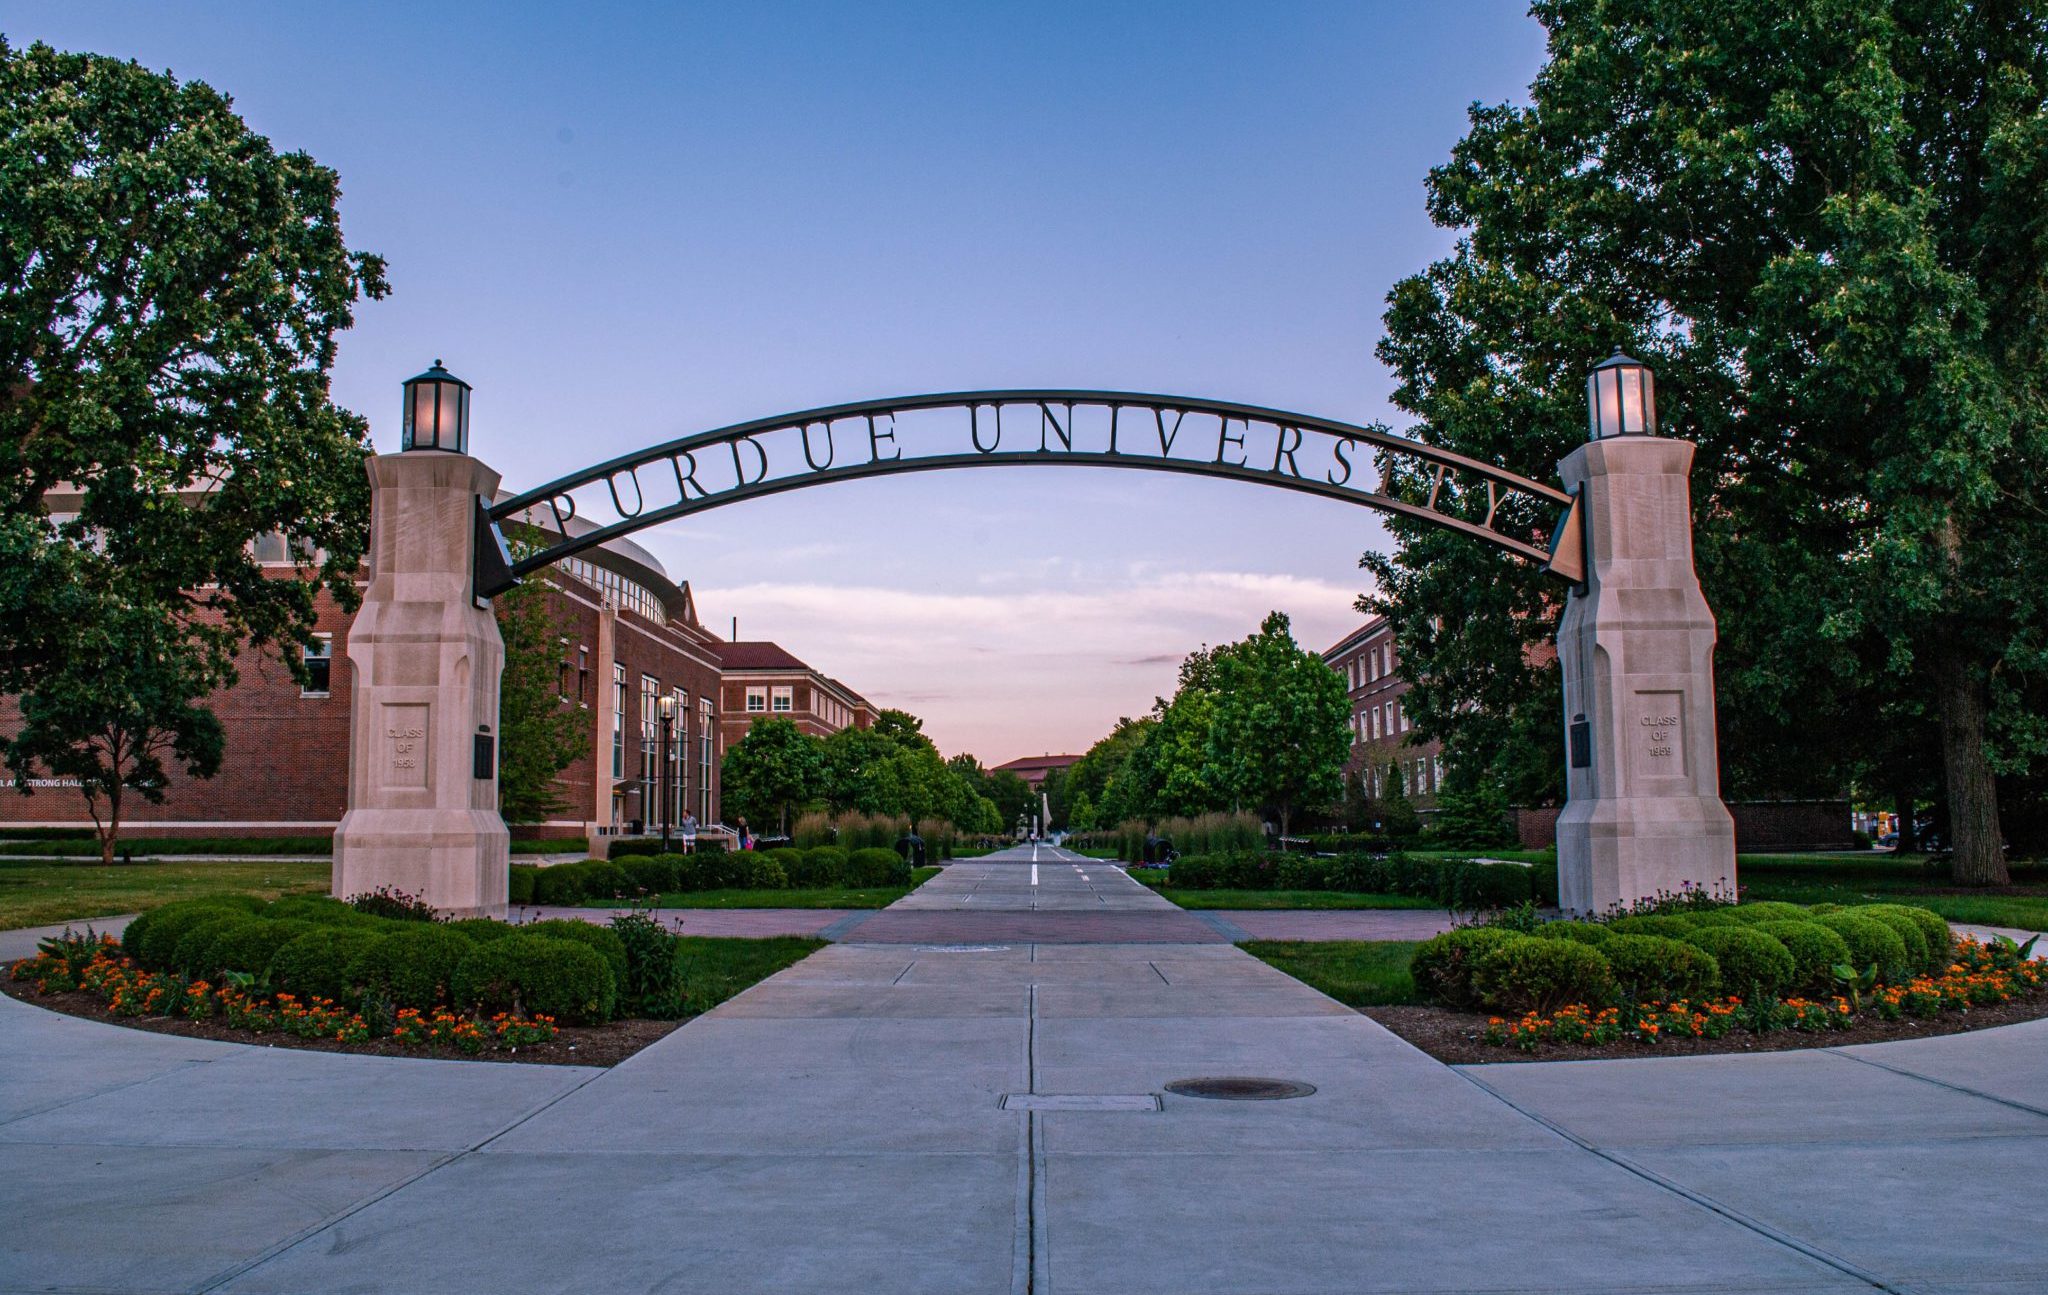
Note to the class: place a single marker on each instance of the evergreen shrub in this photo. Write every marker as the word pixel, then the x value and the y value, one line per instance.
pixel 564 979
pixel 1525 974
pixel 519 889
pixel 602 939
pixel 1442 966
pixel 412 968
pixel 1816 951
pixel 1934 932
pixel 251 947
pixel 1652 968
pixel 1753 965
pixel 317 963
pixel 1871 943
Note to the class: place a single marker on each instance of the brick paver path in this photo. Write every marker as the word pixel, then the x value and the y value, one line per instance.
pixel 752 923
pixel 1340 924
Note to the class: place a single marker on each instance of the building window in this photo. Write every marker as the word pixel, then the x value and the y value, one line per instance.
pixel 782 698
pixel 1437 765
pixel 707 726
pixel 679 752
pixel 1394 724
pixel 1375 723
pixel 318 657
pixel 618 721
pixel 582 675
pixel 650 746
pixel 757 699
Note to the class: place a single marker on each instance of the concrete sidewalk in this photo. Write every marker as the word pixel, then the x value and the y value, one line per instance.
pixel 865 1121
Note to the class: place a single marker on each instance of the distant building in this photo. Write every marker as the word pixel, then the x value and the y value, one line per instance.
pixel 765 681
pixel 1383 738
pixel 1033 768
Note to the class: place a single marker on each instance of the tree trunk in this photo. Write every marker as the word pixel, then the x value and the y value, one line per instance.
pixel 1909 831
pixel 1960 699
pixel 112 827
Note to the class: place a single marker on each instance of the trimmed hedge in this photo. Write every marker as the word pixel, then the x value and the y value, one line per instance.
pixel 155 944
pixel 653 873
pixel 1652 968
pixel 1932 925
pixel 412 968
pixel 1871 943
pixel 1593 933
pixel 1523 974
pixel 480 929
pixel 1769 910
pixel 607 944
pixel 1919 956
pixel 194 955
pixel 316 964
pixel 1460 884
pixel 251 947
pixel 564 979
pixel 876 866
pixel 1753 965
pixel 1816 951
pixel 324 909
pixel 519 888
pixel 1442 966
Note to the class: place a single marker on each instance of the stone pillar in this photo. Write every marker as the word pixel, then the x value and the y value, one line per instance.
pixel 427 659
pixel 1644 812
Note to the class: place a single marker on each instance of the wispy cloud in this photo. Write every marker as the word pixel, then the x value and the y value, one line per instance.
pixel 1011 673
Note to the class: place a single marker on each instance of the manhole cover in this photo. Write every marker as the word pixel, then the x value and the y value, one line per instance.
pixel 1236 1088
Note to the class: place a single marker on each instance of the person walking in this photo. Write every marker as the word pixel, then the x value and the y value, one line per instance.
pixel 746 835
pixel 689 827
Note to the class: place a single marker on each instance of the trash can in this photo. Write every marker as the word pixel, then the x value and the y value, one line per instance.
pixel 911 846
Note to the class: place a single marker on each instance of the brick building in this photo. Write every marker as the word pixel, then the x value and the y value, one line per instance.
pixel 1034 768
pixel 1383 738
pixel 629 639
pixel 763 681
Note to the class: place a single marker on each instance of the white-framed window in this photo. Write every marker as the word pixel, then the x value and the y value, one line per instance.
pixel 1395 724
pixel 707 727
pixel 757 698
pixel 1375 713
pixel 650 749
pixel 679 752
pixel 1437 766
pixel 318 657
pixel 618 720
pixel 782 698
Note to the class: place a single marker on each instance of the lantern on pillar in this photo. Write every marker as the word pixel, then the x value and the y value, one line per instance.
pixel 437 412
pixel 1621 398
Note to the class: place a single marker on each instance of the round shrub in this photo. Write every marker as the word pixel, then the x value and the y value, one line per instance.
pixel 316 963
pixel 1668 925
pixel 410 968
pixel 876 866
pixel 560 978
pixel 1753 965
pixel 1592 933
pixel 1933 928
pixel 818 866
pixel 1871 943
pixel 1769 910
pixel 324 909
pixel 1719 915
pixel 1521 974
pixel 653 873
pixel 602 879
pixel 559 883
pixel 788 861
pixel 152 939
pixel 1816 951
pixel 480 930
pixel 1908 931
pixel 1442 965
pixel 194 955
pixel 765 871
pixel 519 885
pixel 1654 969
pixel 250 948
pixel 606 942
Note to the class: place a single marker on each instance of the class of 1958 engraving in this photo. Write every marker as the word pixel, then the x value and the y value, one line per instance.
pixel 404 748
pixel 1657 743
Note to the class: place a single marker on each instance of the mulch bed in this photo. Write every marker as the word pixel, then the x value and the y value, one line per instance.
pixel 1454 1037
pixel 574 1045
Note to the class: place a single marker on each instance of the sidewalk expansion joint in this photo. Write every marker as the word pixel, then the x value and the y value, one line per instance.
pixel 1220 924
pixel 1940 1083
pixel 1678 1189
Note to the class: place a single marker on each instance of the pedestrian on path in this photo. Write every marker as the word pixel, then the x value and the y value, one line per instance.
pixel 689 826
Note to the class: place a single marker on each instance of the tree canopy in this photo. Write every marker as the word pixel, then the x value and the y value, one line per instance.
pixel 1820 224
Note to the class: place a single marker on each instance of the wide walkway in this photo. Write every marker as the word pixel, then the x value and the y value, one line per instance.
pixel 943 1105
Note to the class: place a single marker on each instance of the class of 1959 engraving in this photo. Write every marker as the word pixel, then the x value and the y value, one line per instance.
pixel 405 745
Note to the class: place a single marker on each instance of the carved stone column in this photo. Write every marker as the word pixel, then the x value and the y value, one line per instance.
pixel 422 780
pixel 1644 812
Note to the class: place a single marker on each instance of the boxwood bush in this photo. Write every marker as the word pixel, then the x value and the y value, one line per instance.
pixel 1524 974
pixel 1933 927
pixel 1871 943
pixel 876 866
pixel 1593 933
pixel 1768 910
pixel 411 968
pixel 316 964
pixel 1816 951
pixel 1442 966
pixel 564 979
pixel 152 939
pixel 1753 965
pixel 1652 968
pixel 251 946
pixel 519 888
pixel 654 874
pixel 601 939
pixel 193 955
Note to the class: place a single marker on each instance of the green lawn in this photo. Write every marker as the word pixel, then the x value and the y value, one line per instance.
pixel 1269 899
pixel 1864 878
pixel 1357 973
pixel 717 967
pixel 74 847
pixel 38 893
pixel 818 897
pixel 1508 856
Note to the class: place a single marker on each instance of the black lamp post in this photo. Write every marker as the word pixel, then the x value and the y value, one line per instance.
pixel 1621 398
pixel 437 412
pixel 666 795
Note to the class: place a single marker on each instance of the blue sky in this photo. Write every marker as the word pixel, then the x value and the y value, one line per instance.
pixel 624 223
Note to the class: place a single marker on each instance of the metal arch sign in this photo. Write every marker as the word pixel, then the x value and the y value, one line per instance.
pixel 1106 429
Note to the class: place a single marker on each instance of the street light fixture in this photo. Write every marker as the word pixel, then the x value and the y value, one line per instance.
pixel 666 706
pixel 1621 398
pixel 436 412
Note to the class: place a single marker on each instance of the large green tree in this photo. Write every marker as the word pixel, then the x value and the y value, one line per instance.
pixel 170 291
pixel 540 731
pixel 1820 222
pixel 114 711
pixel 775 769
pixel 1280 729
